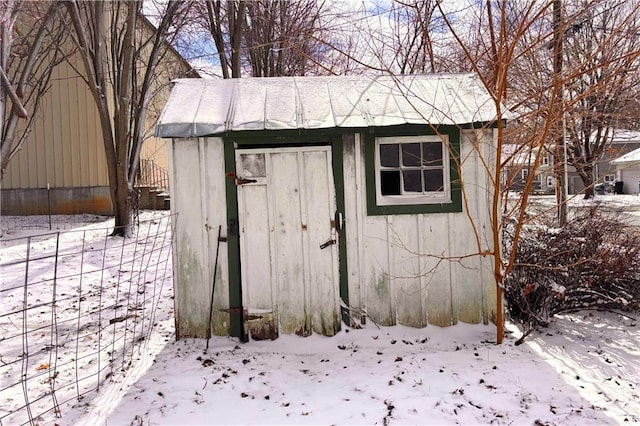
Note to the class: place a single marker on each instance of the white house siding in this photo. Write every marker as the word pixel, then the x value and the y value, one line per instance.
pixel 198 170
pixel 397 267
pixel 631 179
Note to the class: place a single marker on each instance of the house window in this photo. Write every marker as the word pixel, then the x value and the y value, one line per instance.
pixel 412 170
pixel 551 182
pixel 609 178
pixel 524 173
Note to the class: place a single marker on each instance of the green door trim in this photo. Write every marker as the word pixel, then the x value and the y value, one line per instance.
pixel 231 144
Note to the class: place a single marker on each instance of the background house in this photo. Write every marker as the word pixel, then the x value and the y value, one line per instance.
pixel 519 164
pixel 337 199
pixel 627 171
pixel 61 168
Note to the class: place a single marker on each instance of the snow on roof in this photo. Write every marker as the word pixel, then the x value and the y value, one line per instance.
pixel 198 107
pixel 629 157
pixel 625 136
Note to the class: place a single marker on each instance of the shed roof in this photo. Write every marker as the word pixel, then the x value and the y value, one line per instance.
pixel 199 107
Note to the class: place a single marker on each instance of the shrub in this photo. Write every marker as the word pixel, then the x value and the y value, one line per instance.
pixel 591 263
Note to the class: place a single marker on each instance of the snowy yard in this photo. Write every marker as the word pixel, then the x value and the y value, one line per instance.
pixel 583 369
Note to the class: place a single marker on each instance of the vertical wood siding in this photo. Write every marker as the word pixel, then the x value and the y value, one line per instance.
pixel 398 271
pixel 198 197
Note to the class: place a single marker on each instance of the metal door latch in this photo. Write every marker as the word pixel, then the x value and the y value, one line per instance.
pixel 327 244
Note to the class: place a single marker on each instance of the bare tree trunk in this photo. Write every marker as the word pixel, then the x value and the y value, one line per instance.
pixel 236 22
pixel 121 57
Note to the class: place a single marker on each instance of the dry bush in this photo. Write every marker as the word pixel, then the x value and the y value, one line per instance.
pixel 591 263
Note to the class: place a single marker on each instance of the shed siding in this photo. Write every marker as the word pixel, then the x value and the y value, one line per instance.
pixel 397 270
pixel 199 163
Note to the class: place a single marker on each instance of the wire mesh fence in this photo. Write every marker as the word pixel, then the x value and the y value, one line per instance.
pixel 75 308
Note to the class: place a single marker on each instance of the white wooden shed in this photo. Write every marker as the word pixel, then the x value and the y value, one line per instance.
pixel 339 199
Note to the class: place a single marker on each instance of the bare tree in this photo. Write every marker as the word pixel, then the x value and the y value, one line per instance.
pixel 225 22
pixel 263 38
pixel 29 51
pixel 602 57
pixel 416 26
pixel 279 36
pixel 120 53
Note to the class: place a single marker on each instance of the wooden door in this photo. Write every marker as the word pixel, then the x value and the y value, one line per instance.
pixel 288 242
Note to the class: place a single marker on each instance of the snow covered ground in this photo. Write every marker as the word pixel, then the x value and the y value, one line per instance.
pixel 583 369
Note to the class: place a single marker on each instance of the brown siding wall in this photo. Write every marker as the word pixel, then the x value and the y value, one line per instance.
pixel 64 148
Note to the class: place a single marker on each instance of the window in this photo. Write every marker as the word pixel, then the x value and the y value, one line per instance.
pixel 609 178
pixel 412 170
pixel 415 171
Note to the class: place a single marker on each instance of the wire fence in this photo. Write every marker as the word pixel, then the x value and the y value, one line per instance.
pixel 75 308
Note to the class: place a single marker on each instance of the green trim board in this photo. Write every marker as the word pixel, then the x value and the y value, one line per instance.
pixel 236 324
pixel 337 151
pixel 455 206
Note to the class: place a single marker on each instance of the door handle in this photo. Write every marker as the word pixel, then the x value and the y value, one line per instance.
pixel 327 244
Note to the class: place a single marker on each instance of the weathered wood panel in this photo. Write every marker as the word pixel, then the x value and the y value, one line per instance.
pixel 191 284
pixel 419 269
pixel 214 204
pixel 353 200
pixel 289 256
pixel 318 211
pixel 285 217
pixel 378 282
pixel 406 273
pixel 466 240
pixel 434 244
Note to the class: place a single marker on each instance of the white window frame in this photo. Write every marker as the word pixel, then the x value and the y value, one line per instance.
pixel 433 197
pixel 610 178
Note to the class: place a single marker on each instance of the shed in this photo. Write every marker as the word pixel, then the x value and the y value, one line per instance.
pixel 339 199
pixel 628 171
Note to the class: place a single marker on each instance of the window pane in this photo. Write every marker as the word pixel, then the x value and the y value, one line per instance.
pixel 432 154
pixel 389 155
pixel 253 165
pixel 411 181
pixel 433 180
pixel 411 154
pixel 390 182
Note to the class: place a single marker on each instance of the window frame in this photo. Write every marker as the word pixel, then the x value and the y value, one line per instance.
pixel 405 197
pixel 452 204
